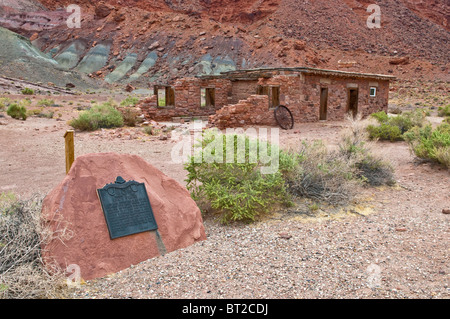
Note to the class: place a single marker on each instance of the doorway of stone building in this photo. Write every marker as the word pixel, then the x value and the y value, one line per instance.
pixel 323 104
pixel 353 102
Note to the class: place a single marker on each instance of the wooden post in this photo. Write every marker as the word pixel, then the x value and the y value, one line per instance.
pixel 70 150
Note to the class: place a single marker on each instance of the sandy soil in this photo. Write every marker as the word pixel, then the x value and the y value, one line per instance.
pixel 395 245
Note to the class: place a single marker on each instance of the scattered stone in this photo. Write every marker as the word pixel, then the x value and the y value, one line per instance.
pixel 154 45
pixel 129 88
pixel 400 229
pixel 285 235
pixel 103 10
pixel 446 211
pixel 399 61
pixel 299 45
pixel 34 36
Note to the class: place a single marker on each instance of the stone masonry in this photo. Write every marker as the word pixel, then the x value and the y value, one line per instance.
pixel 248 97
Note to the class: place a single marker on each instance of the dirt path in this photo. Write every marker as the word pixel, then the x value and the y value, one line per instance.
pixel 397 249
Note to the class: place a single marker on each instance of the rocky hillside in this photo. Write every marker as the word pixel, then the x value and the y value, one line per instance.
pixel 141 42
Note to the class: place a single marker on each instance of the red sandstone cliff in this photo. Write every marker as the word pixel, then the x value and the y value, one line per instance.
pixel 255 33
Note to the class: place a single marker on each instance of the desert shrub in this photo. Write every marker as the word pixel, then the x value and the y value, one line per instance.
pixel 431 144
pixel 4 102
pixel 129 101
pixel 99 116
pixel 236 190
pixel 149 130
pixel 375 171
pixel 130 116
pixel 323 175
pixel 357 150
pixel 46 102
pixel 444 111
pixel 385 131
pixel 17 112
pixel 393 128
pixel 22 274
pixel 27 91
pixel 47 115
pixel 332 176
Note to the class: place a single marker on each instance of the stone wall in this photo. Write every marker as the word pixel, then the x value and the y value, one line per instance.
pixel 188 100
pixel 242 90
pixel 253 111
pixel 338 91
pixel 237 102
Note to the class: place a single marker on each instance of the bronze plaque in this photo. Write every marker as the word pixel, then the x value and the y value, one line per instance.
pixel 126 208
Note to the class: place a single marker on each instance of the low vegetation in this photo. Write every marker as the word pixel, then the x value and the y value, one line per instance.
pixel 17 111
pixel 99 116
pixel 332 176
pixel 444 111
pixel 392 128
pixel 106 115
pixel 46 102
pixel 239 192
pixel 4 102
pixel 129 101
pixel 22 274
pixel 27 91
pixel 431 144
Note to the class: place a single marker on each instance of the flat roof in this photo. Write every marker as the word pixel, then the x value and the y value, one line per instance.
pixel 269 72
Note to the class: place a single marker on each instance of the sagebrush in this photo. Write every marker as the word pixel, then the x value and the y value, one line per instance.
pixel 431 144
pixel 392 128
pixel 22 273
pixel 17 111
pixel 103 115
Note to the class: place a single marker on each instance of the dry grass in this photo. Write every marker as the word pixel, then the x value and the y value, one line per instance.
pixel 22 274
pixel 333 176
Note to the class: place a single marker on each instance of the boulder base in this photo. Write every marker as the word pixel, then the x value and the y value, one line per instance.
pixel 74 208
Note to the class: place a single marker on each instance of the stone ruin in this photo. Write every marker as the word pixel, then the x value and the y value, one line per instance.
pixel 248 97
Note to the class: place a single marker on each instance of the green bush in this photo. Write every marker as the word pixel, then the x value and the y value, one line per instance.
pixel 99 116
pixel 17 112
pixel 385 131
pixel 4 102
pixel 129 101
pixel 46 102
pixel 237 191
pixel 393 128
pixel 27 91
pixel 444 111
pixel 430 144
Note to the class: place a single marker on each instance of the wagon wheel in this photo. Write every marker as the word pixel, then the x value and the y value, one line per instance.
pixel 284 117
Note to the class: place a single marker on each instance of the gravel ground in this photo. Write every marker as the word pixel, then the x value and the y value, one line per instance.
pixel 393 244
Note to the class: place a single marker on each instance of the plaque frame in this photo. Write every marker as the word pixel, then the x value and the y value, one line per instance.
pixel 115 213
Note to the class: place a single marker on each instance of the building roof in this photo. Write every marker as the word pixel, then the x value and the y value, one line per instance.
pixel 248 74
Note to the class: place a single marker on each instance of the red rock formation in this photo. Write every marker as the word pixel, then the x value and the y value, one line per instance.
pixel 74 204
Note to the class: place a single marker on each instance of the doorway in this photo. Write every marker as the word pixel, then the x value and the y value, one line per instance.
pixel 323 104
pixel 353 101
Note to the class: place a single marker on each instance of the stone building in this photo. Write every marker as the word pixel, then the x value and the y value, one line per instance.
pixel 248 97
